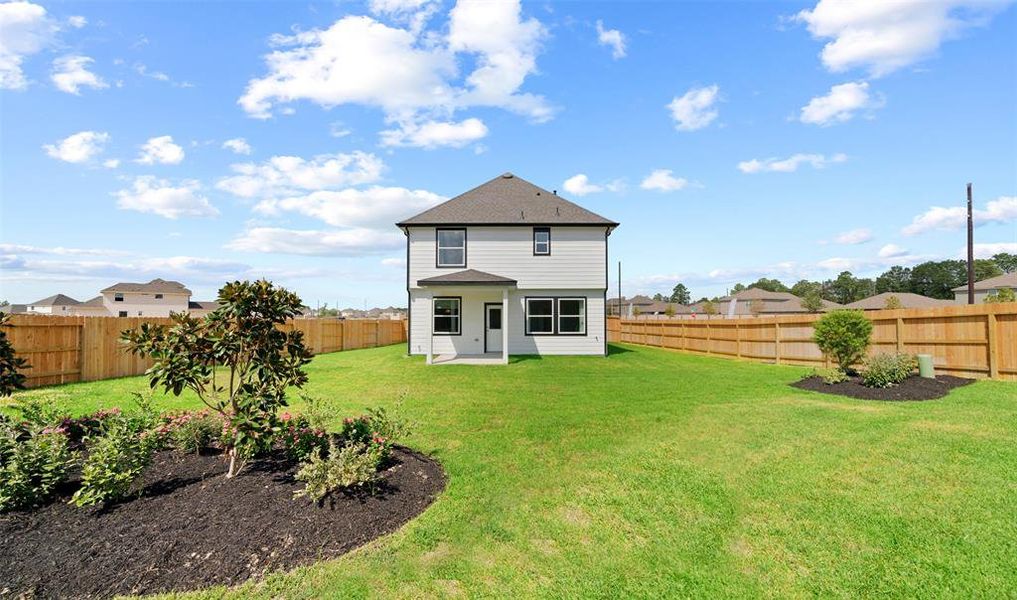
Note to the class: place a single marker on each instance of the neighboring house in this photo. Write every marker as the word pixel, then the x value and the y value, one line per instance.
pixel 632 306
pixel 200 308
pixel 757 302
pixel 985 287
pixel 506 268
pixel 91 308
pixel 907 300
pixel 14 309
pixel 57 304
pixel 157 298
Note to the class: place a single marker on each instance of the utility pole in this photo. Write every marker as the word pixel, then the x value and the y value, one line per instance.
pixel 619 291
pixel 971 252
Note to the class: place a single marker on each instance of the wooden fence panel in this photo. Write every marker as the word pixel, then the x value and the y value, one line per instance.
pixel 68 349
pixel 969 341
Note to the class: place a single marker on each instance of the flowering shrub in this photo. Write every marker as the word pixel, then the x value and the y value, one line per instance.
pixel 30 469
pixel 375 428
pixel 889 369
pixel 299 438
pixel 343 467
pixel 116 459
pixel 191 431
pixel 80 428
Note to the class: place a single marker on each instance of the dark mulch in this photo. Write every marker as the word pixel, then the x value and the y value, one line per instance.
pixel 912 388
pixel 191 528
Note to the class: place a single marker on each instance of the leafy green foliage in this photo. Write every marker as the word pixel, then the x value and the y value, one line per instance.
pixel 1006 261
pixel 300 440
pixel 843 335
pixel 192 431
pixel 344 467
pixel 242 338
pixel 892 303
pixel 812 301
pixel 38 413
pixel 804 287
pixel 10 364
pixel 116 459
pixel 31 465
pixel 894 279
pixel 1001 295
pixel 709 308
pixel 888 369
pixel 831 376
pixel 680 294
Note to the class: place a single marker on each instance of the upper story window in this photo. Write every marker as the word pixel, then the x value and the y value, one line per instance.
pixel 541 241
pixel 451 248
pixel 118 298
pixel 158 296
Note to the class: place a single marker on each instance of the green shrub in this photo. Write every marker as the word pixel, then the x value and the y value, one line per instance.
pixel 344 467
pixel 11 364
pixel 38 413
pixel 844 336
pixel 888 370
pixel 831 376
pixel 116 459
pixel 192 431
pixel 32 467
pixel 300 440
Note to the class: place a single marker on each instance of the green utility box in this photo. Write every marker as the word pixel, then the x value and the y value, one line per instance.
pixel 925 368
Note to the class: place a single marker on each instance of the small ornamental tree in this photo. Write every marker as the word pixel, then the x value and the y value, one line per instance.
pixel 236 359
pixel 812 301
pixel 669 311
pixel 10 363
pixel 1001 295
pixel 893 303
pixel 709 308
pixel 843 335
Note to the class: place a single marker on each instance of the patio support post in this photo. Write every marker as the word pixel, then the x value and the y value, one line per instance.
pixel 430 327
pixel 504 326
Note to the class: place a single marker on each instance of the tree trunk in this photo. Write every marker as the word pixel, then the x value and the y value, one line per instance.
pixel 233 462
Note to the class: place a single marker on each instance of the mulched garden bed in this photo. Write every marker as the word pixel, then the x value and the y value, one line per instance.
pixel 192 528
pixel 913 388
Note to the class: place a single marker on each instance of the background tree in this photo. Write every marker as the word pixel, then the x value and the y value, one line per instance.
pixel 892 303
pixel 240 344
pixel 738 287
pixel 812 301
pixel 895 279
pixel 709 308
pixel 669 310
pixel 680 294
pixel 936 279
pixel 1005 261
pixel 10 364
pixel 848 288
pixel 770 285
pixel 986 268
pixel 804 286
pixel 658 297
pixel 1001 295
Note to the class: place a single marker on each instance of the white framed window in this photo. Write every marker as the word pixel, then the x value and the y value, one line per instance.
pixel 541 241
pixel 448 315
pixel 118 297
pixel 540 316
pixel 572 316
pixel 451 248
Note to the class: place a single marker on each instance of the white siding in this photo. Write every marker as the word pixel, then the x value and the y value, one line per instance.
pixel 471 340
pixel 578 258
pixel 145 304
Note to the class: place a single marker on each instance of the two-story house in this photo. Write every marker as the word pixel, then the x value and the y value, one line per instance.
pixel 506 268
pixel 157 298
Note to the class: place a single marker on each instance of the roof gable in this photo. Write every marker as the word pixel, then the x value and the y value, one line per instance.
pixel 56 300
pixel 507 200
pixel 154 286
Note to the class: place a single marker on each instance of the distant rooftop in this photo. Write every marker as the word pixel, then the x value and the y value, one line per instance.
pixel 993 283
pixel 159 286
pixel 56 300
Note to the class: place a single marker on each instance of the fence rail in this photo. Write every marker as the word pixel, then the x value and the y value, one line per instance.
pixel 964 340
pixel 68 349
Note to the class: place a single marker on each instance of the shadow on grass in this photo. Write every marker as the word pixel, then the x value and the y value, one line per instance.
pixel 612 349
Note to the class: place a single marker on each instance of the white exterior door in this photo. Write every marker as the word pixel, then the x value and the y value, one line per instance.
pixel 492 328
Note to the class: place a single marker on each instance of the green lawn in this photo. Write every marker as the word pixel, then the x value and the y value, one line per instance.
pixel 653 473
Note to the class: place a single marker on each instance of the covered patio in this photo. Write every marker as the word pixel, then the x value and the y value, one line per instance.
pixel 468 318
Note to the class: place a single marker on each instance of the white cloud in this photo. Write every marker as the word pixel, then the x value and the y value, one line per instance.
pixel 375 206
pixel 840 104
pixel 77 21
pixel 612 38
pixel 111 163
pixel 70 74
pixel 579 185
pixel 695 109
pixel 790 164
pixel 855 236
pixel 987 250
pixel 336 129
pixel 410 74
pixel 1000 210
pixel 158 196
pixel 892 251
pixel 393 262
pixel 347 242
pixel 78 148
pixel 26 30
pixel 663 180
pixel 237 145
pixel 160 150
pixel 434 134
pixel 57 250
pixel 883 36
pixel 291 175
pixel 414 13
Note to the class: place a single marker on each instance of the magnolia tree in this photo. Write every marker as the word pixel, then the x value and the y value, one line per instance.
pixel 236 359
pixel 10 364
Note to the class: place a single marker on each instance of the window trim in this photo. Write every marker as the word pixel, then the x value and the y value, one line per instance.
pixel 586 314
pixel 437 247
pixel 526 316
pixel 537 230
pixel 459 321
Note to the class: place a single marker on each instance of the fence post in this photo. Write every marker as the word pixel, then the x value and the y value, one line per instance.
pixel 990 323
pixel 776 343
pixel 738 339
pixel 709 340
pixel 900 334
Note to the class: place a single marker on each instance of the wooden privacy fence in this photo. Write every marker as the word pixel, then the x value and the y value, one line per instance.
pixel 964 340
pixel 69 349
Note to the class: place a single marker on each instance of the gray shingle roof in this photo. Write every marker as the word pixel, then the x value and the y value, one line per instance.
pixel 56 300
pixel 907 300
pixel 507 200
pixel 154 286
pixel 467 277
pixel 993 283
pixel 97 301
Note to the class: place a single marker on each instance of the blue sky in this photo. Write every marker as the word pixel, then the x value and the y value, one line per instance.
pixel 206 141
